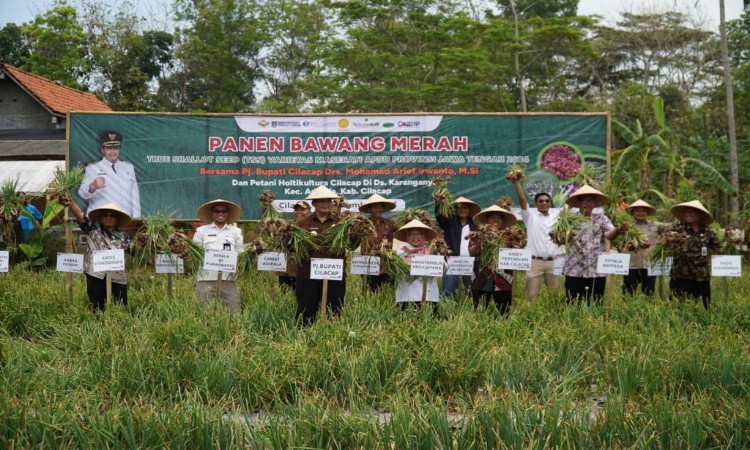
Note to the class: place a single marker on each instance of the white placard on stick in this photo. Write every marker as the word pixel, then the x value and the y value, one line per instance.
pixel 108 260
pixel 514 259
pixel 460 265
pixel 365 265
pixel 4 261
pixel 272 262
pixel 69 262
pixel 613 263
pixel 660 268
pixel 726 265
pixel 220 261
pixel 559 265
pixel 427 266
pixel 326 269
pixel 169 264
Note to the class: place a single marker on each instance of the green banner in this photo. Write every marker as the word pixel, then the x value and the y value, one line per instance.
pixel 173 163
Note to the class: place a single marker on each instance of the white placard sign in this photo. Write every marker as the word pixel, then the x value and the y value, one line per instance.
pixel 514 259
pixel 427 266
pixel 220 261
pixel 661 268
pixel 365 265
pixel 726 265
pixel 272 262
pixel 4 261
pixel 613 263
pixel 460 265
pixel 559 265
pixel 108 260
pixel 69 262
pixel 169 264
pixel 326 269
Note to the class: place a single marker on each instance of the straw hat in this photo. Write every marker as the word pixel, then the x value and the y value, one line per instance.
pixel 301 205
pixel 401 233
pixel 204 211
pixel 575 199
pixel 374 199
pixel 642 204
pixel 122 217
pixel 474 208
pixel 322 193
pixel 508 217
pixel 678 210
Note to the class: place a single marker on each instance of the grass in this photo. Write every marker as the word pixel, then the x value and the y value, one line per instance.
pixel 638 373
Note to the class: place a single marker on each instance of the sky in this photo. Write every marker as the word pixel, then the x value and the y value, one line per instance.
pixel 707 11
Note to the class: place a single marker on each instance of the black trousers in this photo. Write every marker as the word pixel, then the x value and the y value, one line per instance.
pixel 578 289
pixel 310 293
pixel 682 288
pixel 638 277
pixel 376 282
pixel 97 291
pixel 501 299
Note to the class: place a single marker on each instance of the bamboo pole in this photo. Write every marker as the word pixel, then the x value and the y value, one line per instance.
pixel 324 300
pixel 170 284
pixel 424 292
pixel 108 279
pixel 68 249
pixel 218 284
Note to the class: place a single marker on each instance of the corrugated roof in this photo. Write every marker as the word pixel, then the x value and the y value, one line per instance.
pixel 26 149
pixel 33 176
pixel 57 98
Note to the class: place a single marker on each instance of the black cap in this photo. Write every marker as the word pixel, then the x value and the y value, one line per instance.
pixel 110 138
pixel 301 205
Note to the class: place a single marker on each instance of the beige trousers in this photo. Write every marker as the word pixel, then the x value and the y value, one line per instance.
pixel 540 271
pixel 230 295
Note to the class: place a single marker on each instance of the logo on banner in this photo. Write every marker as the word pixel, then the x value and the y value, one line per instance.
pixel 343 123
pixel 389 125
pixel 409 123
pixel 263 123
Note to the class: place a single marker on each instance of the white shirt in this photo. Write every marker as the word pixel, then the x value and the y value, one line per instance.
pixel 465 230
pixel 121 187
pixel 538 227
pixel 211 237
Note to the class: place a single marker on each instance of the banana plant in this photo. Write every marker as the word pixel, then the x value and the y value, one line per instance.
pixel 34 248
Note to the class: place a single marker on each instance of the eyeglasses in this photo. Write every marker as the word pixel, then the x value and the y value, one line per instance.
pixel 221 211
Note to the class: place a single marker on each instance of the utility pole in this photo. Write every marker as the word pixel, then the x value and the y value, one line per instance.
pixel 734 205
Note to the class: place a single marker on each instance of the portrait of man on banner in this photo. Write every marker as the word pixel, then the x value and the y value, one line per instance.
pixel 111 180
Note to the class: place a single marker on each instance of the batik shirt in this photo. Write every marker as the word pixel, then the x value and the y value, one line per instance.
pixel 694 260
pixel 584 248
pixel 99 238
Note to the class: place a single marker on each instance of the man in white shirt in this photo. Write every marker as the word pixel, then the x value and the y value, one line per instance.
pixel 539 223
pixel 111 180
pixel 218 234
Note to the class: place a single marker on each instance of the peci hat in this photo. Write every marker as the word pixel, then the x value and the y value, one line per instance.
pixel 322 193
pixel 301 205
pixel 508 217
pixel 374 199
pixel 474 208
pixel 678 210
pixel 641 204
pixel 204 211
pixel 109 138
pixel 401 233
pixel 122 217
pixel 575 198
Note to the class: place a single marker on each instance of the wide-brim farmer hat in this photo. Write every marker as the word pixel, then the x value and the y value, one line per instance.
pixel 206 216
pixel 123 218
pixel 473 206
pixel 575 199
pixel 695 205
pixel 508 217
pixel 641 204
pixel 415 224
pixel 322 193
pixel 374 199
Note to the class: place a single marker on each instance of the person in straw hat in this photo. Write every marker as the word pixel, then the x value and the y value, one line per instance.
pixel 103 231
pixel 581 279
pixel 309 292
pixel 690 276
pixel 300 210
pixel 489 283
pixel 455 230
pixel 376 205
pixel 638 271
pixel 417 237
pixel 539 223
pixel 219 234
